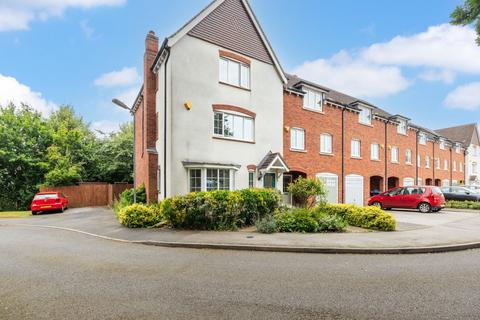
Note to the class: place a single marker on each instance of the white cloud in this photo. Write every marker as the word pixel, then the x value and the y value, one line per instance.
pixel 353 76
pixel 87 29
pixel 13 91
pixel 445 76
pixel 124 77
pixel 17 14
pixel 443 46
pixel 465 97
pixel 105 127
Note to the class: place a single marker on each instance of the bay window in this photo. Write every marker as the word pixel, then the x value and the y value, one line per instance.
pixel 208 179
pixel 233 126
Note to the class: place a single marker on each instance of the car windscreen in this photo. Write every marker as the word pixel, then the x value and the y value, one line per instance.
pixel 45 196
pixel 436 190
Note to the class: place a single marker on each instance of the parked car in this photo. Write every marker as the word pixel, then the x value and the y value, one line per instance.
pixel 49 201
pixel 423 198
pixel 473 188
pixel 460 194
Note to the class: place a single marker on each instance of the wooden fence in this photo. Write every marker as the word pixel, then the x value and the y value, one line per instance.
pixel 91 194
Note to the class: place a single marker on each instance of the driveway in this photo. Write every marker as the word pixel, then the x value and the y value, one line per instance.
pixel 447 230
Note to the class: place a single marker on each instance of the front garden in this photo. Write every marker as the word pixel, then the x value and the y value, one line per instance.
pixel 262 208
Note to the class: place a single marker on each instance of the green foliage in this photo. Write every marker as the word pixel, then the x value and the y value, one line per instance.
pixel 220 210
pixel 364 217
pixel 309 220
pixel 139 216
pixel 266 225
pixel 307 191
pixel 463 204
pixel 126 198
pixel 467 14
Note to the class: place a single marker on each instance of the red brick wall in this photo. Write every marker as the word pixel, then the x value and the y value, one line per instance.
pixel 329 121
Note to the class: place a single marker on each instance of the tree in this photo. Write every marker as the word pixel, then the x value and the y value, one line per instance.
pixel 114 156
pixel 24 139
pixel 467 14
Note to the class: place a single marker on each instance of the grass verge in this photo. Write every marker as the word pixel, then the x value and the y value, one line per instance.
pixel 15 214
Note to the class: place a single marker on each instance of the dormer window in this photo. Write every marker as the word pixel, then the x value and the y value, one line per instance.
pixel 365 116
pixel 457 148
pixel 442 144
pixel 422 139
pixel 402 126
pixel 313 99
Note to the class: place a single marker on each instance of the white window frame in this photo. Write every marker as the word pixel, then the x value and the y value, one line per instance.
pixel 437 164
pixel 392 154
pixel 326 143
pixel 251 182
pixel 445 164
pixel 313 99
pixel 203 178
pixel 419 161
pixel 442 144
pixel 353 148
pixel 461 167
pixel 243 80
pixel 427 162
pixel 402 127
pixel 375 151
pixel 294 141
pixel 422 139
pixel 457 149
pixel 408 156
pixel 454 165
pixel 365 115
pixel 235 117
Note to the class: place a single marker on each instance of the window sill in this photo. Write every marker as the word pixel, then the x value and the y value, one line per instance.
pixel 326 154
pixel 313 110
pixel 395 162
pixel 376 160
pixel 298 150
pixel 234 86
pixel 402 134
pixel 408 164
pixel 356 158
pixel 234 140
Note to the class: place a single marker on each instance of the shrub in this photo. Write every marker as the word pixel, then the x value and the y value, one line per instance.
pixel 126 198
pixel 266 225
pixel 364 217
pixel 309 220
pixel 308 191
pixel 220 210
pixel 139 216
pixel 463 204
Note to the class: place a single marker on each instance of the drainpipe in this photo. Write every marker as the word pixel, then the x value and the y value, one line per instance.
pixel 165 124
pixel 416 161
pixel 343 155
pixel 385 180
pixel 451 166
pixel 434 164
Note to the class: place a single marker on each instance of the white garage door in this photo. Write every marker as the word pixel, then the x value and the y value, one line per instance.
pixel 408 182
pixel 354 189
pixel 330 181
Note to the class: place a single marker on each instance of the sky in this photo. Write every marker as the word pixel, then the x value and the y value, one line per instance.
pixel 402 56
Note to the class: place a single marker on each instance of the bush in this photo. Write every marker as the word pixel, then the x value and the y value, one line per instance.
pixel 363 217
pixel 220 210
pixel 126 198
pixel 139 216
pixel 266 225
pixel 307 192
pixel 309 220
pixel 463 204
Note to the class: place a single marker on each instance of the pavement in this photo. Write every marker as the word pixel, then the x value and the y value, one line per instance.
pixel 449 230
pixel 51 274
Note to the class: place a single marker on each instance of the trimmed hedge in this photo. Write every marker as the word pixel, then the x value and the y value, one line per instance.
pixel 139 216
pixel 463 204
pixel 364 217
pixel 309 220
pixel 220 210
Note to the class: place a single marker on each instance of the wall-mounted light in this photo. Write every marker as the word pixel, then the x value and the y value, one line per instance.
pixel 286 128
pixel 187 105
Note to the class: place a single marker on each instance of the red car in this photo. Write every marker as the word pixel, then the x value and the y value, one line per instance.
pixel 48 201
pixel 425 199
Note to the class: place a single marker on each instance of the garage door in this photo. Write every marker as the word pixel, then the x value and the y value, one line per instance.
pixel 354 189
pixel 330 181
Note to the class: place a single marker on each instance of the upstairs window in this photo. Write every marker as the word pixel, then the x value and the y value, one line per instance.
pixel 313 100
pixel 457 148
pixel 437 163
pixel 427 162
pixel 375 151
pixel 297 139
pixel 422 139
pixel 442 144
pixel 355 149
pixel 454 165
pixel 402 127
pixel 234 73
pixel 419 161
pixel 365 116
pixel 461 167
pixel 326 143
pixel 394 154
pixel 408 156
pixel 445 164
pixel 233 126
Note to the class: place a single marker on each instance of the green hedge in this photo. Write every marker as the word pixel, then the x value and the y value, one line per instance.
pixel 463 204
pixel 139 216
pixel 308 220
pixel 220 210
pixel 126 198
pixel 363 217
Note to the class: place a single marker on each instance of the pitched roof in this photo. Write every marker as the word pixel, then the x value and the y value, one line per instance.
pixel 270 159
pixel 467 133
pixel 230 24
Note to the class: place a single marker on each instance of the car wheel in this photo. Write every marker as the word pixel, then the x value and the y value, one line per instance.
pixel 34 213
pixel 63 209
pixel 424 207
pixel 377 204
pixel 388 209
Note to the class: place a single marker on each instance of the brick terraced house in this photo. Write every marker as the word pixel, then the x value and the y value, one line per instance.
pixel 217 111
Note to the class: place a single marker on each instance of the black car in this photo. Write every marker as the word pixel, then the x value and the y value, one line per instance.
pixel 460 194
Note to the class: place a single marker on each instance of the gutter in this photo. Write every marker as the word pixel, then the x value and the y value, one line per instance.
pixel 343 155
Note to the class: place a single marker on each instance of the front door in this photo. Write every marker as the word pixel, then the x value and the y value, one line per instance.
pixel 269 180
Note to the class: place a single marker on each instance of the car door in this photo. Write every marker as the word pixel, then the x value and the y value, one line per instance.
pixel 393 198
pixel 411 196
